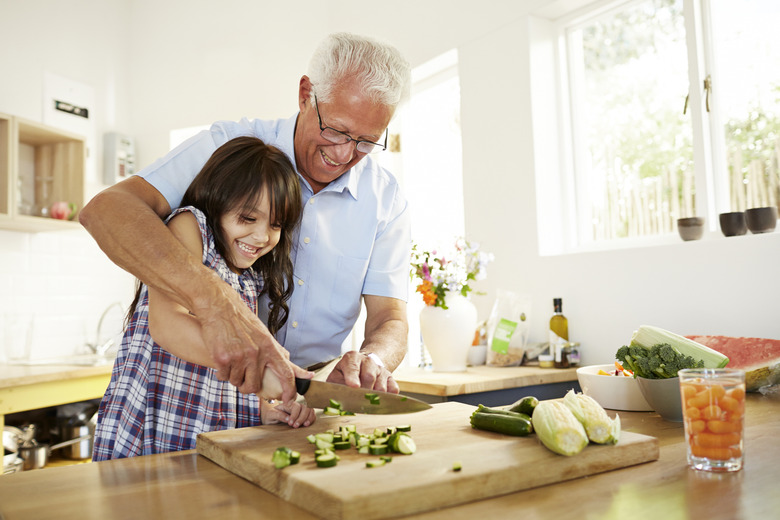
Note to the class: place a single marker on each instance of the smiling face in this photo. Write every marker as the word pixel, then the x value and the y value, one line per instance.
pixel 319 161
pixel 249 233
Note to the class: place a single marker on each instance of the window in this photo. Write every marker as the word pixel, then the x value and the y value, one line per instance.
pixel 673 112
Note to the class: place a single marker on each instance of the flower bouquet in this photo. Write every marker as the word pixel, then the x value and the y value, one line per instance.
pixel 452 271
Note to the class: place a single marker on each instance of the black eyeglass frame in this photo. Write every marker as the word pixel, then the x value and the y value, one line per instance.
pixel 358 142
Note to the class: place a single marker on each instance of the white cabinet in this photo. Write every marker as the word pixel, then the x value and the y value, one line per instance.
pixel 39 165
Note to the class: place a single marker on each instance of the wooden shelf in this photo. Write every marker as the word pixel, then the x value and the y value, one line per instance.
pixel 39 165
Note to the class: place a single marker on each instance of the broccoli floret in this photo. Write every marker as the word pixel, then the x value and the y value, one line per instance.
pixel 658 362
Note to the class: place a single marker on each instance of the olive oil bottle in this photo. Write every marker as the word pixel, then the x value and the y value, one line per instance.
pixel 559 336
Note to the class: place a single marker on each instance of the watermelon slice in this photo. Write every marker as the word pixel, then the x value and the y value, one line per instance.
pixel 759 358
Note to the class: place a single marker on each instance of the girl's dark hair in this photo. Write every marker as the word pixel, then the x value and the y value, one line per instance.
pixel 233 179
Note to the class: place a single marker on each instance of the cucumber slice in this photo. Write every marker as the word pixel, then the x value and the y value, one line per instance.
pixel 375 463
pixel 325 436
pixel 342 445
pixel 327 460
pixel 323 444
pixel 404 428
pixel 377 449
pixel 402 443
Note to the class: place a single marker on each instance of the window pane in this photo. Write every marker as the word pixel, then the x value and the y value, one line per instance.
pixel 633 145
pixel 748 91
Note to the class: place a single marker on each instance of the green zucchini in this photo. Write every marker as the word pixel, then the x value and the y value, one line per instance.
pixel 519 425
pixel 499 411
pixel 525 405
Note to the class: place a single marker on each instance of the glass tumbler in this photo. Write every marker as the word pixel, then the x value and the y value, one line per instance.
pixel 713 405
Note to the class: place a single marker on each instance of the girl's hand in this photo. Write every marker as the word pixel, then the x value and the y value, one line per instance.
pixel 294 415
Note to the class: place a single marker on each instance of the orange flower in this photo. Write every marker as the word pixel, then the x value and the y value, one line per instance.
pixel 426 289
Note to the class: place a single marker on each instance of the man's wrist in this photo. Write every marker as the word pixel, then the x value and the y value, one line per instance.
pixel 376 359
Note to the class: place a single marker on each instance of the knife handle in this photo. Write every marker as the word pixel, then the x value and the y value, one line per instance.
pixel 302 385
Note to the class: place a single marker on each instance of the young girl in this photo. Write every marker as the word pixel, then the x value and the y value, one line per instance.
pixel 238 215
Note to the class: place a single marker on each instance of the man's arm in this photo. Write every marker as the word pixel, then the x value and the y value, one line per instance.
pixel 386 334
pixel 126 222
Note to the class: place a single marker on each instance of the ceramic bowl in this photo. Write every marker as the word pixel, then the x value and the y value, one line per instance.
pixel 761 220
pixel 663 396
pixel 733 223
pixel 612 392
pixel 690 228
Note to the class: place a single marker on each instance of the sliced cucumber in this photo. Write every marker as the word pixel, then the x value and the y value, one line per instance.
pixel 401 442
pixel 377 449
pixel 327 460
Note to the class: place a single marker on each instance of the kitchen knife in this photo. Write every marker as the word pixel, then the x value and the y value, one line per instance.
pixel 318 394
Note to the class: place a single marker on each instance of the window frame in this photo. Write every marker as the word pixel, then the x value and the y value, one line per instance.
pixel 710 167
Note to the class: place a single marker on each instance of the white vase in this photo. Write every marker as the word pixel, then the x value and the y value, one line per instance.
pixel 449 333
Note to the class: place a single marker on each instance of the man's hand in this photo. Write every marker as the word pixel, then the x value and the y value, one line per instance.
pixel 356 369
pixel 242 347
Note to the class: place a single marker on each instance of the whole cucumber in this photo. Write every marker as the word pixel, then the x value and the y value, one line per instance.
pixel 525 405
pixel 500 411
pixel 501 423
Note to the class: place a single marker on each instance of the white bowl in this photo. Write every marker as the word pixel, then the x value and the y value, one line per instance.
pixel 613 392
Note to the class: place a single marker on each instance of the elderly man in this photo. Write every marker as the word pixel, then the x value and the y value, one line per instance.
pixel 352 244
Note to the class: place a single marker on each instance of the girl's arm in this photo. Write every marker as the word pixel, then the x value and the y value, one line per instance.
pixel 171 324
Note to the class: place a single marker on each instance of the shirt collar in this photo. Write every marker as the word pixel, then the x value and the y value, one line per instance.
pixel 348 181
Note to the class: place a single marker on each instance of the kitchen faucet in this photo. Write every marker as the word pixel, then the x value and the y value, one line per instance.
pixel 102 348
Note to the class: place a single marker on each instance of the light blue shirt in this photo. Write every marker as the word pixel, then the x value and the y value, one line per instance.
pixel 354 237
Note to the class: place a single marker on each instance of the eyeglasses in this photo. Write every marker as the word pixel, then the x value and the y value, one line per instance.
pixel 336 137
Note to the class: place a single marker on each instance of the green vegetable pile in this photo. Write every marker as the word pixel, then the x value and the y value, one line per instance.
pixel 655 353
pixel 658 362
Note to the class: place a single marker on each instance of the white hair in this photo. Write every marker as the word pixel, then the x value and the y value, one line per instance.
pixel 381 71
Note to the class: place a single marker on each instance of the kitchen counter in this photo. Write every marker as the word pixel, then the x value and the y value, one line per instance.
pixel 31 387
pixel 486 385
pixel 188 486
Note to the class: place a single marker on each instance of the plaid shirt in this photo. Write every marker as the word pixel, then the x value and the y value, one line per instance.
pixel 157 402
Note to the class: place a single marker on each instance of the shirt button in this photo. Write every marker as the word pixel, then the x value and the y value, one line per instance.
pixel 306 240
pixel 311 200
pixel 295 324
pixel 300 282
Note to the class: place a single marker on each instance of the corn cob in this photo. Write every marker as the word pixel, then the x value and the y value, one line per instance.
pixel 558 429
pixel 599 427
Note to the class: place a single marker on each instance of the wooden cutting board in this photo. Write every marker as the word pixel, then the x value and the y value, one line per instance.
pixel 492 464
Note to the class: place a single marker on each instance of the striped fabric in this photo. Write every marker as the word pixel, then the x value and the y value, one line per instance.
pixel 157 402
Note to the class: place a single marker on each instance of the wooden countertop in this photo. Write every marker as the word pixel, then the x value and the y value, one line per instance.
pixel 187 486
pixel 12 376
pixel 478 379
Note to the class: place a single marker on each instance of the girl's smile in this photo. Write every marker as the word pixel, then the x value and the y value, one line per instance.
pixel 250 233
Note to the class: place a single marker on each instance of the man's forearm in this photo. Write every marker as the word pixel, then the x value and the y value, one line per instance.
pixel 386 331
pixel 137 240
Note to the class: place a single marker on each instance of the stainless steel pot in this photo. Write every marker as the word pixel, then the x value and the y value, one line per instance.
pixel 79 450
pixel 36 456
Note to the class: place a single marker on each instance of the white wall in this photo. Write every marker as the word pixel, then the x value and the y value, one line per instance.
pixel 178 63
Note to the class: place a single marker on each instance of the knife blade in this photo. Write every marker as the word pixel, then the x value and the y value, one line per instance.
pixel 318 394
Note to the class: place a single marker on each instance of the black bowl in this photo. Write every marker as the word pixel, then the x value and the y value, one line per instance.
pixel 761 220
pixel 733 224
